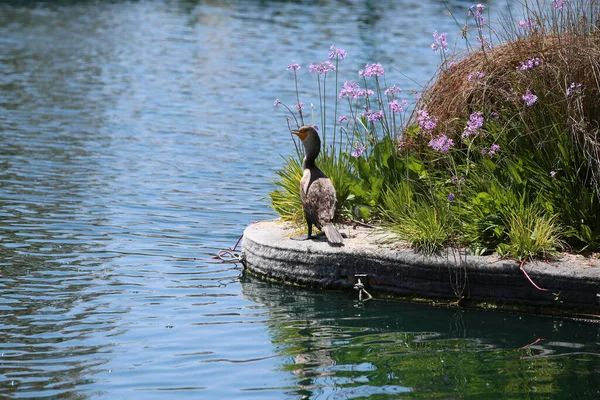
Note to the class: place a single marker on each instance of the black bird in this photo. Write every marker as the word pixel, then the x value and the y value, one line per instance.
pixel 316 190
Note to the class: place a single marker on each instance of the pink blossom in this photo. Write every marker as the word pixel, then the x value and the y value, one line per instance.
pixel 529 98
pixel 529 64
pixel 474 124
pixel 372 70
pixel 336 52
pixel 427 123
pixel 441 144
pixel 358 150
pixel 396 107
pixel 439 41
pixel 475 76
pixel 322 68
pixel 559 4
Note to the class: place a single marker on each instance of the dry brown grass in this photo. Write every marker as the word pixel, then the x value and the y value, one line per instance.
pixel 564 59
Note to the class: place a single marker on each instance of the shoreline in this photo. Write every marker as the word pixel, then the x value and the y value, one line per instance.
pixel 388 268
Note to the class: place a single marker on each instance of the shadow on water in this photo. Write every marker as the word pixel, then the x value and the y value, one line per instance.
pixel 337 346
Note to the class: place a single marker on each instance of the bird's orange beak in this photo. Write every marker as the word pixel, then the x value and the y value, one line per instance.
pixel 301 135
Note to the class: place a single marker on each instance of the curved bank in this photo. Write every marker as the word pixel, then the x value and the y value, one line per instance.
pixel 390 269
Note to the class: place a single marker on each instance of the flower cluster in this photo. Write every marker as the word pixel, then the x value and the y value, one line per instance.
pixel 372 70
pixel 293 66
pixel 336 52
pixel 526 25
pixel 475 76
pixel 427 122
pixel 529 64
pixel 529 98
pixel 373 116
pixel 392 91
pixel 559 4
pixel 441 144
pixel 573 88
pixel 321 68
pixel 396 107
pixel 352 90
pixel 493 149
pixel 439 41
pixel 477 12
pixel 474 124
pixel 358 150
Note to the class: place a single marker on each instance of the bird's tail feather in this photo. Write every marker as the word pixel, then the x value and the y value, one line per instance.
pixel 333 235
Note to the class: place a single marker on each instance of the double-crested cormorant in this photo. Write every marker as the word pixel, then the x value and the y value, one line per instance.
pixel 316 190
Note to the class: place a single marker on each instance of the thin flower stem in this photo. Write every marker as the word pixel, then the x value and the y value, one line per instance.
pixel 298 97
pixel 335 112
pixel 321 103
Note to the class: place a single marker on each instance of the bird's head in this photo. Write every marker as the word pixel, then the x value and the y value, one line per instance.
pixel 305 132
pixel 311 141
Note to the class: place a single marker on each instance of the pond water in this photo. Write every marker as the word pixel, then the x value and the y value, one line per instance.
pixel 139 138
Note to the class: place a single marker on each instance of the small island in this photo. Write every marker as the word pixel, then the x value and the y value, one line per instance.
pixel 486 187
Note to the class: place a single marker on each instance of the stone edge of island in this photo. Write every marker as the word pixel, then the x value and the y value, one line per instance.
pixel 391 270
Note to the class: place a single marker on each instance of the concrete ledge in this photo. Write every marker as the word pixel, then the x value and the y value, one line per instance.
pixel 393 269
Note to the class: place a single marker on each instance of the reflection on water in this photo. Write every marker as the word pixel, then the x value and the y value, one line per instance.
pixel 139 138
pixel 414 350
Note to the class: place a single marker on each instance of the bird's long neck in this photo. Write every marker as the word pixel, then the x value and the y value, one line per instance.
pixel 312 147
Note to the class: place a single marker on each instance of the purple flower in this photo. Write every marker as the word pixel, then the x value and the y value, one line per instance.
pixel 293 66
pixel 476 11
pixel 358 150
pixel 365 93
pixel 559 4
pixel 455 180
pixel 439 41
pixel 526 24
pixel 451 197
pixel 322 68
pixel 427 123
pixel 475 76
pixel 336 52
pixel 493 149
pixel 474 124
pixel 342 119
pixel 529 64
pixel 529 98
pixel 396 107
pixel 373 116
pixel 350 89
pixel 573 87
pixel 392 90
pixel 277 102
pixel 441 144
pixel 401 145
pixel 299 106
pixel 372 70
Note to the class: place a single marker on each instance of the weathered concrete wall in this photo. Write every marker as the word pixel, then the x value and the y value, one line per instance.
pixel 390 268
